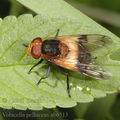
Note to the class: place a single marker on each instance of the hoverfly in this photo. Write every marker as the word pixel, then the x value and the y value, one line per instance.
pixel 72 52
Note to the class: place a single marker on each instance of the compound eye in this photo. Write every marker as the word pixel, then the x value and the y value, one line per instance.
pixel 36 51
pixel 37 40
pixel 36 48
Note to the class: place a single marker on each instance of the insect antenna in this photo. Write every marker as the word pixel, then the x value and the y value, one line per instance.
pixel 58 30
pixel 25 45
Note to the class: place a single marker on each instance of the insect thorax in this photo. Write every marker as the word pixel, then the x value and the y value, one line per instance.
pixel 51 47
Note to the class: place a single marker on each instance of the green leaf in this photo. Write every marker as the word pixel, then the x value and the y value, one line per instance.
pixel 55 8
pixel 19 90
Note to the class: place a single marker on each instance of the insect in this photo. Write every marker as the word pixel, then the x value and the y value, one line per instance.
pixel 72 52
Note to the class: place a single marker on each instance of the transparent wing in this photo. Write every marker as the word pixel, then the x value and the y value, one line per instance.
pixel 82 59
pixel 86 62
pixel 90 41
pixel 93 70
pixel 94 41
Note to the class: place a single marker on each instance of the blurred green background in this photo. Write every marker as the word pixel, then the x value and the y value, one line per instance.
pixel 105 12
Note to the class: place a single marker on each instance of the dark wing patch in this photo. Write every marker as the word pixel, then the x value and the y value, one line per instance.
pixel 84 55
pixel 86 62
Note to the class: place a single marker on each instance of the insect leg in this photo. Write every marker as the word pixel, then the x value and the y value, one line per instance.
pixel 35 66
pixel 46 74
pixel 58 30
pixel 68 85
pixel 67 76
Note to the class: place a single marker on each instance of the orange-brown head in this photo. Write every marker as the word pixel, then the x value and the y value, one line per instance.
pixel 34 48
